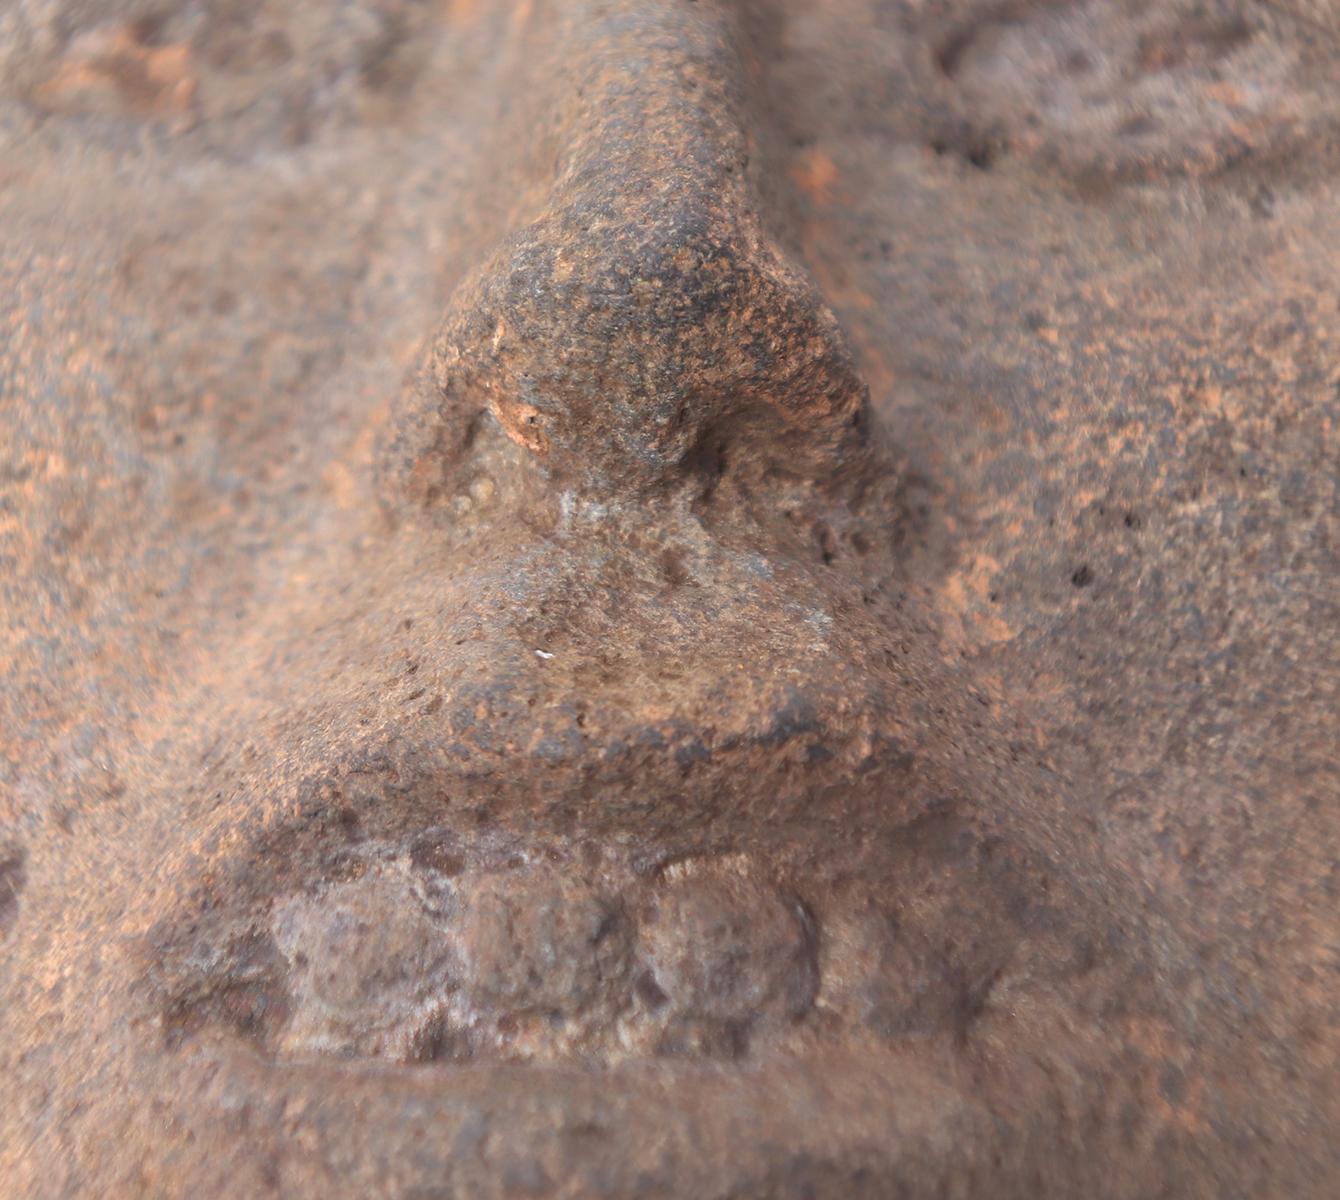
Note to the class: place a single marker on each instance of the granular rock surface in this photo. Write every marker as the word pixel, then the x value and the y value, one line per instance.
pixel 669 598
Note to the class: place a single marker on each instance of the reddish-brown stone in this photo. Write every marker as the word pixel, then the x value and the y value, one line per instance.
pixel 669 598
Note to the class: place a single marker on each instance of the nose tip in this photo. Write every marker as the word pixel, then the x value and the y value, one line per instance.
pixel 646 311
pixel 611 354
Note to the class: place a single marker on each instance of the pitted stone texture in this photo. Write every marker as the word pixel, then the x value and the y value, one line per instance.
pixel 236 78
pixel 729 958
pixel 645 331
pixel 1039 731
pixel 1118 90
pixel 13 876
pixel 546 958
pixel 368 968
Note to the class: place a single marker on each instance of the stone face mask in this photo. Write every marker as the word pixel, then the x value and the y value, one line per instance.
pixel 672 746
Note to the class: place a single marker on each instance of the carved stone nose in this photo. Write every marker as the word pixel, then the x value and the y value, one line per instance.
pixel 644 321
pixel 612 352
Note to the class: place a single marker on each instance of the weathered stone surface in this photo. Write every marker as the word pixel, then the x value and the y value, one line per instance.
pixel 668 598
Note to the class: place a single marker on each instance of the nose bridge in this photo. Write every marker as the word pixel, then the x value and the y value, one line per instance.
pixel 654 91
pixel 647 307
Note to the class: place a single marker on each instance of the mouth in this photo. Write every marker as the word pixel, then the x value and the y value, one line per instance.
pixel 433 977
pixel 493 1129
pixel 483 1006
